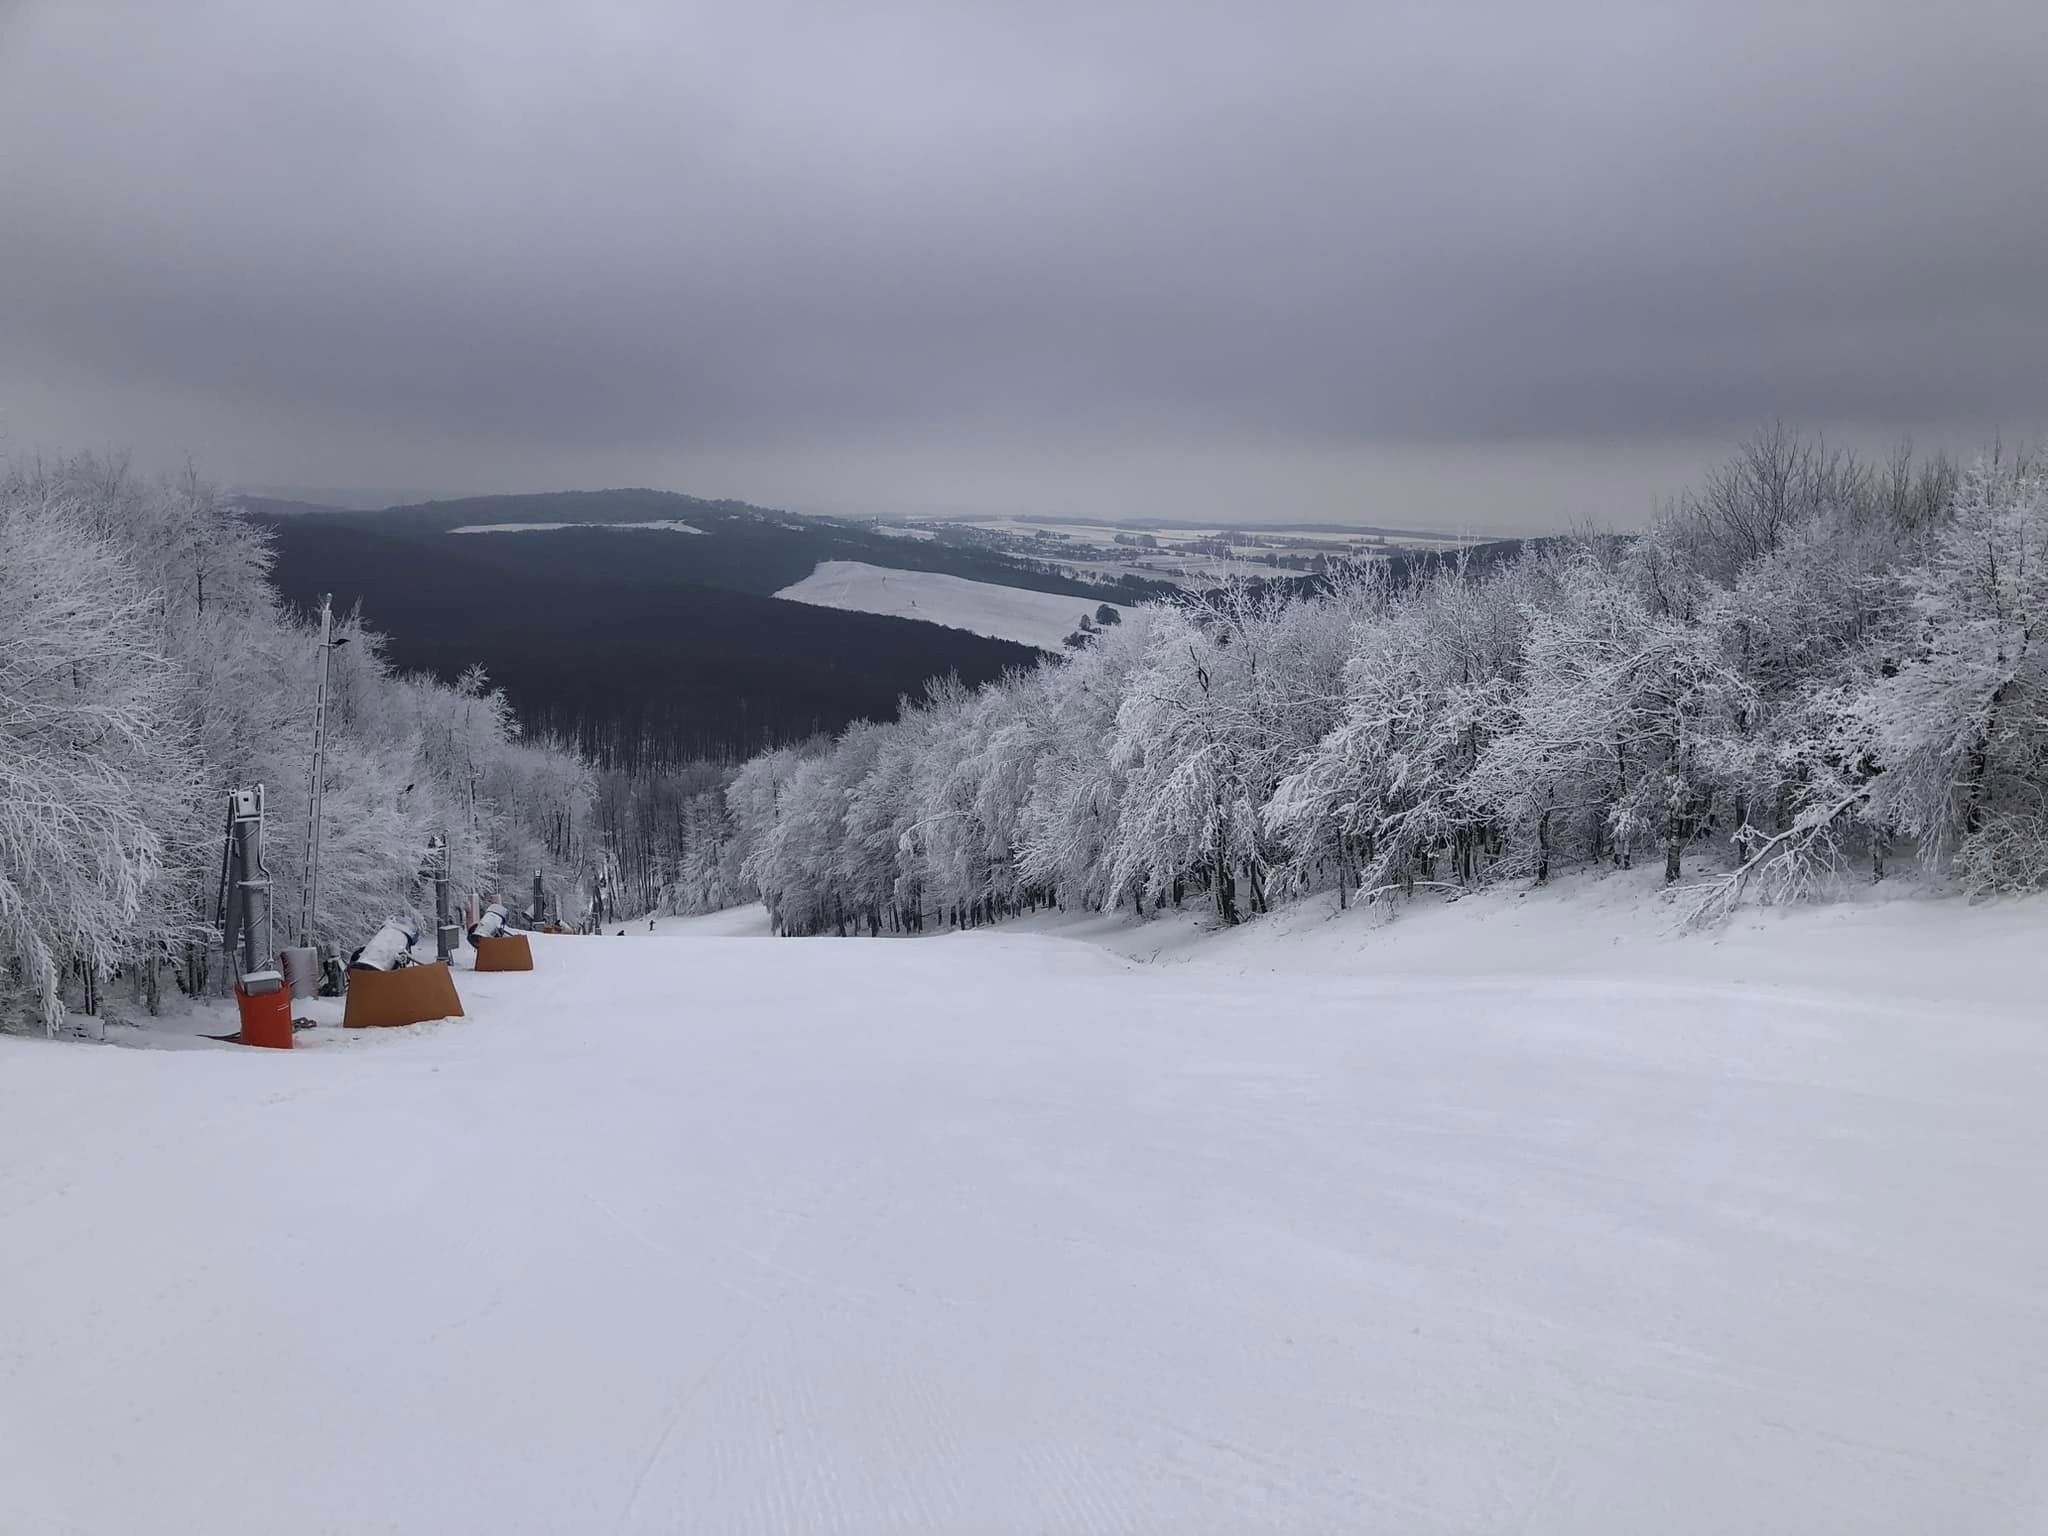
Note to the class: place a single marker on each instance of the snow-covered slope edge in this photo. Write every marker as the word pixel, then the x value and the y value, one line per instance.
pixel 1894 943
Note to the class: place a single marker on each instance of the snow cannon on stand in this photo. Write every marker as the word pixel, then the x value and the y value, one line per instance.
pixel 387 987
pixel 490 924
pixel 497 948
pixel 261 997
pixel 390 947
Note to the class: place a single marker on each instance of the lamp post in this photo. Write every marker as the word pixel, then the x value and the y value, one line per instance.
pixel 437 870
pixel 309 888
pixel 245 927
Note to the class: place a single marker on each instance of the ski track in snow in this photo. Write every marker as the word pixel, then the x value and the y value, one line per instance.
pixel 1004 1233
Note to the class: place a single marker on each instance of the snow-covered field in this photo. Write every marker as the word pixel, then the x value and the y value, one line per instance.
pixel 1505 1218
pixel 654 525
pixel 1042 619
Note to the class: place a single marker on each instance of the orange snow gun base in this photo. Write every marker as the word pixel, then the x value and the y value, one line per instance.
pixel 412 994
pixel 506 952
pixel 266 1017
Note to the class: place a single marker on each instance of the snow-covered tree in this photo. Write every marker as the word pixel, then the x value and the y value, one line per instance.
pixel 1955 725
pixel 1385 786
pixel 1068 825
pixel 1188 739
pixel 1801 663
pixel 188 678
pixel 97 768
pixel 1619 714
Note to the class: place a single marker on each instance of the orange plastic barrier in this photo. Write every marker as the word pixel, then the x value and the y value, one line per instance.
pixel 507 952
pixel 412 995
pixel 266 1017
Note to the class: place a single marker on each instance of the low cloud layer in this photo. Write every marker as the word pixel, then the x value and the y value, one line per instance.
pixel 1494 266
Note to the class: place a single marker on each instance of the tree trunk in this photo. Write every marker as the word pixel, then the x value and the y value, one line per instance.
pixel 1226 887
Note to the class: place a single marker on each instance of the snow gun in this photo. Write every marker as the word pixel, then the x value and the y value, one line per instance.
pixel 390 947
pixel 497 947
pixel 491 924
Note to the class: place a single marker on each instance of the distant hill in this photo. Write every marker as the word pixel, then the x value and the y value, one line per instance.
pixel 284 506
pixel 645 641
pixel 646 624
pixel 751 549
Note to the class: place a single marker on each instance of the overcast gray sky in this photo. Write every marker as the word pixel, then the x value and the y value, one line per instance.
pixel 1491 266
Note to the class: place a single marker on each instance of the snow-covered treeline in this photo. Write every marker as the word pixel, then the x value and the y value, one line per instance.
pixel 146 667
pixel 1805 668
pixel 667 837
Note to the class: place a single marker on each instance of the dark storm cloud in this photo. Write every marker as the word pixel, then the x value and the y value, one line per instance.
pixel 885 254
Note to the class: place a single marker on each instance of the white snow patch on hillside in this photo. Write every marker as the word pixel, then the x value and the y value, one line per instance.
pixel 659 525
pixel 1043 619
pixel 1004 1232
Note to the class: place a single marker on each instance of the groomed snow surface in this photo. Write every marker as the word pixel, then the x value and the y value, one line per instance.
pixel 1043 619
pixel 1508 1217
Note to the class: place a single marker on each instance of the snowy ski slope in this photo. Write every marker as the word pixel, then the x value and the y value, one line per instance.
pixel 1043 619
pixel 1006 1233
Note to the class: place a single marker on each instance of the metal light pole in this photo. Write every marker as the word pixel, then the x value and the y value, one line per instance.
pixel 437 870
pixel 309 889
pixel 262 999
pixel 245 923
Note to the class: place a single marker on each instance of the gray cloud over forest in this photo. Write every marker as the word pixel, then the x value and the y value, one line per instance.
pixel 1499 265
